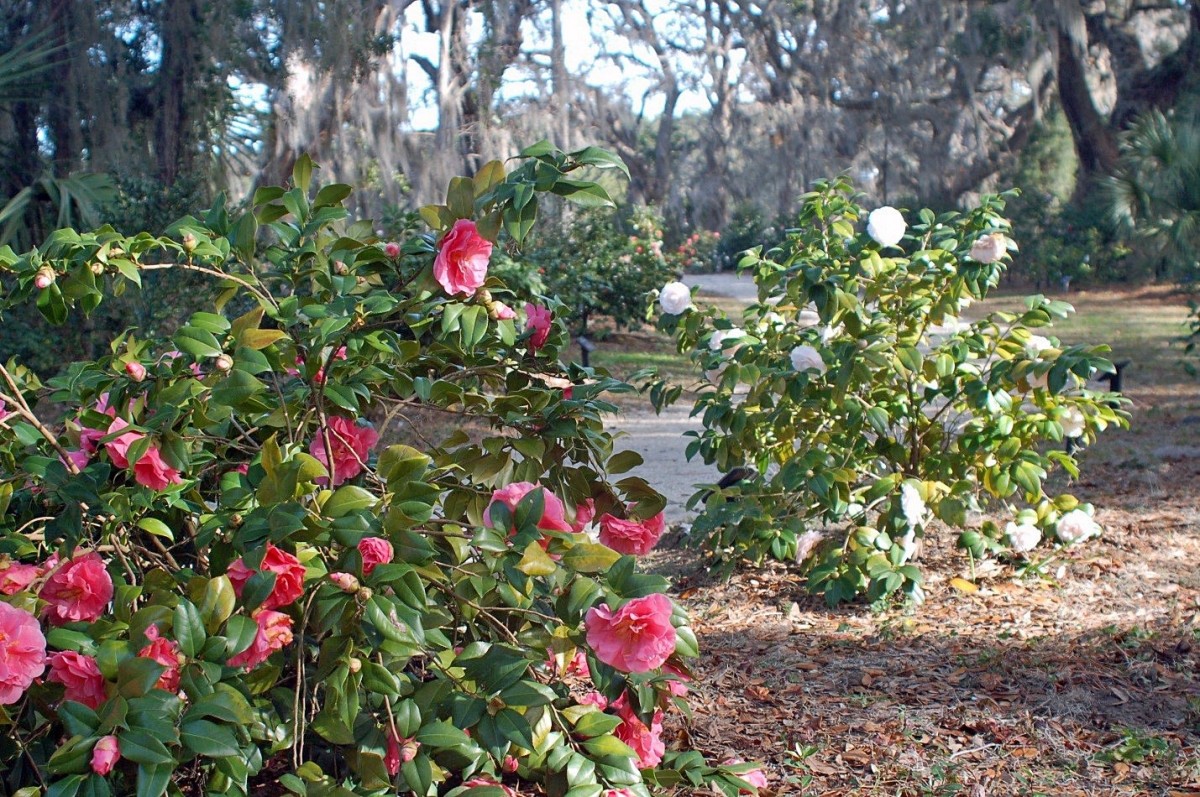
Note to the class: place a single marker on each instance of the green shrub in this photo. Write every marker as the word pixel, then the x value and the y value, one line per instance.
pixel 242 585
pixel 866 409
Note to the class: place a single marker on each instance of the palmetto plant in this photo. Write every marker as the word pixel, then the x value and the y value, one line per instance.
pixel 1156 192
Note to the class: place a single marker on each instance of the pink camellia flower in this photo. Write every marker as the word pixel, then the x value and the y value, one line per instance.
pixel 618 793
pixel 483 780
pixel 989 248
pixel 502 312
pixel 462 259
pixel 375 551
pixel 289 576
pixel 80 675
pixel 351 445
pixel 584 512
pixel 646 742
pixel 22 652
pixel 539 321
pixel 274 633
pixel 16 577
pixel 118 447
pixel 136 371
pixel 553 512
pixel 392 250
pixel 638 637
pixel 105 755
pixel 78 590
pixel 152 471
pixel 3 411
pixel 755 777
pixel 165 652
pixel 677 688
pixel 594 699
pixel 634 537
pixel 77 457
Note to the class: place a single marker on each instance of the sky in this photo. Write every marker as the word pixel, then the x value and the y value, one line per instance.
pixel 581 46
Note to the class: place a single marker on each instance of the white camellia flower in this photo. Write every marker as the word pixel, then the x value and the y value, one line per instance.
pixel 1036 345
pixel 1076 526
pixel 1072 422
pixel 805 357
pixel 912 505
pixel 772 320
pixel 1023 537
pixel 829 333
pixel 806 544
pixel 886 226
pixel 674 298
pixel 989 248
pixel 908 546
pixel 717 341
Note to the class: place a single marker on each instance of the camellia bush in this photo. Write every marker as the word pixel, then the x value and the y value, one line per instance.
pixel 861 406
pixel 216 574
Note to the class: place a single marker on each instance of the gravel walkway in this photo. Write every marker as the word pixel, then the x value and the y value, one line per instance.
pixel 659 438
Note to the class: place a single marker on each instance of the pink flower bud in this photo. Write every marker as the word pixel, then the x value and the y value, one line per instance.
pixel 510 764
pixel 346 582
pixel 105 755
pixel 189 242
pixel 44 278
pixel 223 363
pixel 136 371
pixel 392 249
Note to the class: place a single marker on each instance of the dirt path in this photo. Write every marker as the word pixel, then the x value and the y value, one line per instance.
pixel 660 438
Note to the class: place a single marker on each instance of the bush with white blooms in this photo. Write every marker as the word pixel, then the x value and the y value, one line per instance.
pixel 865 408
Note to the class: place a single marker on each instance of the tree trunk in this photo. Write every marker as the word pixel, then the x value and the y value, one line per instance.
pixel 1095 140
pixel 180 83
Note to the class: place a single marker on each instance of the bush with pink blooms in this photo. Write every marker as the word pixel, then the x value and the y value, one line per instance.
pixel 220 572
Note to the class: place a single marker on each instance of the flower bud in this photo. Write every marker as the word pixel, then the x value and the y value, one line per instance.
pixel 355 664
pixel 98 268
pixel 392 249
pixel 136 371
pixel 44 278
pixel 364 594
pixel 340 268
pixel 485 296
pixel 346 582
pixel 223 363
pixel 188 241
pixel 510 764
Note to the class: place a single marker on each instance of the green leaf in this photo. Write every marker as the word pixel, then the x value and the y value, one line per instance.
pixel 236 389
pixel 348 498
pixel 209 739
pixel 442 735
pixel 583 192
pixel 590 557
pixel 535 561
pixel 156 527
pixel 460 197
pixel 302 172
pixel 144 748
pixel 152 781
pixel 332 194
pixel 189 628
